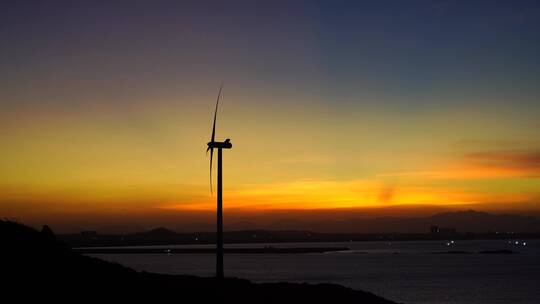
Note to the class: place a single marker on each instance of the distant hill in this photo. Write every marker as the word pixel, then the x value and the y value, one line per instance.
pixel 462 221
pixel 35 264
pixel 160 232
pixel 462 225
pixel 475 221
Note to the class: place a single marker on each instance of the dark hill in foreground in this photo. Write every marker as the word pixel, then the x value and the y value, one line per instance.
pixel 35 265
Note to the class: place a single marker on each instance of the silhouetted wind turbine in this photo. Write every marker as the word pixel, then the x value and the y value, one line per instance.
pixel 219 146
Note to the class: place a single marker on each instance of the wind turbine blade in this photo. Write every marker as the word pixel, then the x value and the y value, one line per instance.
pixel 211 162
pixel 215 113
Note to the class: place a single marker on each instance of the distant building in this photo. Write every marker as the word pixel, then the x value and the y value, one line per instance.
pixel 434 229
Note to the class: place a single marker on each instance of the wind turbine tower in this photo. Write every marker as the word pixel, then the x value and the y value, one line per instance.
pixel 219 146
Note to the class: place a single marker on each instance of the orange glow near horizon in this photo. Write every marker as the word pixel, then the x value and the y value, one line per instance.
pixel 321 195
pixel 113 167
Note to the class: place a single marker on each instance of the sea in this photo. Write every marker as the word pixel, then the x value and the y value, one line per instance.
pixel 418 272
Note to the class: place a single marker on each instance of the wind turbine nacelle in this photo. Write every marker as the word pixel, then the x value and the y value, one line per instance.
pixel 220 145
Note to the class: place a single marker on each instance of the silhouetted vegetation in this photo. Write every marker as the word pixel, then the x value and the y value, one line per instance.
pixel 36 264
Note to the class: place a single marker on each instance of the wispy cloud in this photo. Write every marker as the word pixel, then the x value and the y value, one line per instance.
pixel 482 165
pixel 524 160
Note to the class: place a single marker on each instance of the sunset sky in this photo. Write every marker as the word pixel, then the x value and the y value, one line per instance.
pixel 106 107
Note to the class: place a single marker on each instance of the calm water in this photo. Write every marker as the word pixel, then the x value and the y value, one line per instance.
pixel 402 271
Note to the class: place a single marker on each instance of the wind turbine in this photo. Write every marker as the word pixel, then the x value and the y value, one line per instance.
pixel 219 146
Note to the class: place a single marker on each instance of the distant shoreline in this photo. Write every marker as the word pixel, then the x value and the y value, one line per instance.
pixel 268 250
pixel 272 237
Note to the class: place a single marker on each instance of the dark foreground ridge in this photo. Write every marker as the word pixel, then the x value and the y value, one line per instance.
pixel 34 264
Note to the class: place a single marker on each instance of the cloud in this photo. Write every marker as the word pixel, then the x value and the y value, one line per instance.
pixel 526 161
pixel 481 165
pixel 386 194
pixel 502 164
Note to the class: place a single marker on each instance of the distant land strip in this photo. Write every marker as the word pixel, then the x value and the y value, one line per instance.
pixel 209 250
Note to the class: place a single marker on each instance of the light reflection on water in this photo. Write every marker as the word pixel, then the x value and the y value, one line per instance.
pixel 402 271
